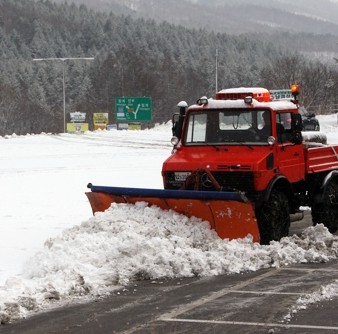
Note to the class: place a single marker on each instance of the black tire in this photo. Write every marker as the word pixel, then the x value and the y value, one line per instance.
pixel 326 211
pixel 274 218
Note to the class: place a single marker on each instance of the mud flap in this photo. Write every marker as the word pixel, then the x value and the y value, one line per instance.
pixel 229 213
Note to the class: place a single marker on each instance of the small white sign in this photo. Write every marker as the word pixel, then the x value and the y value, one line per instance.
pixel 281 94
pixel 78 117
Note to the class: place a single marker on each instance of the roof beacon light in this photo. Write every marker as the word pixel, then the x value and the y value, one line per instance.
pixel 295 90
pixel 202 101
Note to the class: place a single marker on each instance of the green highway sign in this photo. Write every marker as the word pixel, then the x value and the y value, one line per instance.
pixel 133 109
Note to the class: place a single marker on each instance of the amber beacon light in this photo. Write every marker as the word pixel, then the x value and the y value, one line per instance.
pixel 295 90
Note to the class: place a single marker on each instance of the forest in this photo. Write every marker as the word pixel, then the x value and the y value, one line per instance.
pixel 132 57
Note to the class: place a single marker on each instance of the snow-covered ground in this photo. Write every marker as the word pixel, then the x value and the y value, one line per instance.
pixel 52 249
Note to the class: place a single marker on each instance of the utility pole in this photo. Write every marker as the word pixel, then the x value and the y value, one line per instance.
pixel 216 74
pixel 63 60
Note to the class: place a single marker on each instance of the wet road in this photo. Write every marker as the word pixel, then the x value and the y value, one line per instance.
pixel 255 302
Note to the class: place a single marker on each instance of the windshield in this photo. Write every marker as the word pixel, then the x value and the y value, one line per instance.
pixel 226 127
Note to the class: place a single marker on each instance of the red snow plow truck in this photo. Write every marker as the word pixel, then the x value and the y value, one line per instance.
pixel 241 162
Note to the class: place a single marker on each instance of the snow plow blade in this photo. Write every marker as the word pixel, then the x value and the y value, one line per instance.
pixel 230 214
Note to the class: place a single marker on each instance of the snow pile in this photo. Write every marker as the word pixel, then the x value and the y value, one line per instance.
pixel 133 242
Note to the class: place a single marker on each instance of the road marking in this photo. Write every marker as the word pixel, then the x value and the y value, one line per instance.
pixel 267 292
pixel 185 308
pixel 243 323
pixel 329 270
pixel 172 316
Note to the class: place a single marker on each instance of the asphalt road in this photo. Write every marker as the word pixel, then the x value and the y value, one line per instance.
pixel 254 302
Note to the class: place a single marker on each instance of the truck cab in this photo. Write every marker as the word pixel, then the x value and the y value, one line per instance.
pixel 242 138
pixel 239 141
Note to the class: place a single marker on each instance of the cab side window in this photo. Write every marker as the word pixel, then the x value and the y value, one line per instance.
pixel 283 123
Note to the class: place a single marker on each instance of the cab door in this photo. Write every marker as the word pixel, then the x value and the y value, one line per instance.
pixel 290 154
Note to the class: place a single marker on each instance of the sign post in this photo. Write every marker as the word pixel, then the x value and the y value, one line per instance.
pixel 100 121
pixel 77 124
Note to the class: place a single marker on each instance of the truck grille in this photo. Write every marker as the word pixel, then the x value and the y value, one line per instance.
pixel 241 181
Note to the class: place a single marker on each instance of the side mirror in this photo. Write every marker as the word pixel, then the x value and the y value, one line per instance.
pixel 175 120
pixel 178 119
pixel 296 122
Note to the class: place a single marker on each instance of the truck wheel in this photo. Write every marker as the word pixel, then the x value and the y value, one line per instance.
pixel 274 218
pixel 326 212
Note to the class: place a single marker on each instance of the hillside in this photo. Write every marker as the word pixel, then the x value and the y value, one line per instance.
pixel 232 16
pixel 306 26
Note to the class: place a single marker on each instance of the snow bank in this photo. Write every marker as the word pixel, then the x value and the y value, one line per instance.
pixel 128 243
